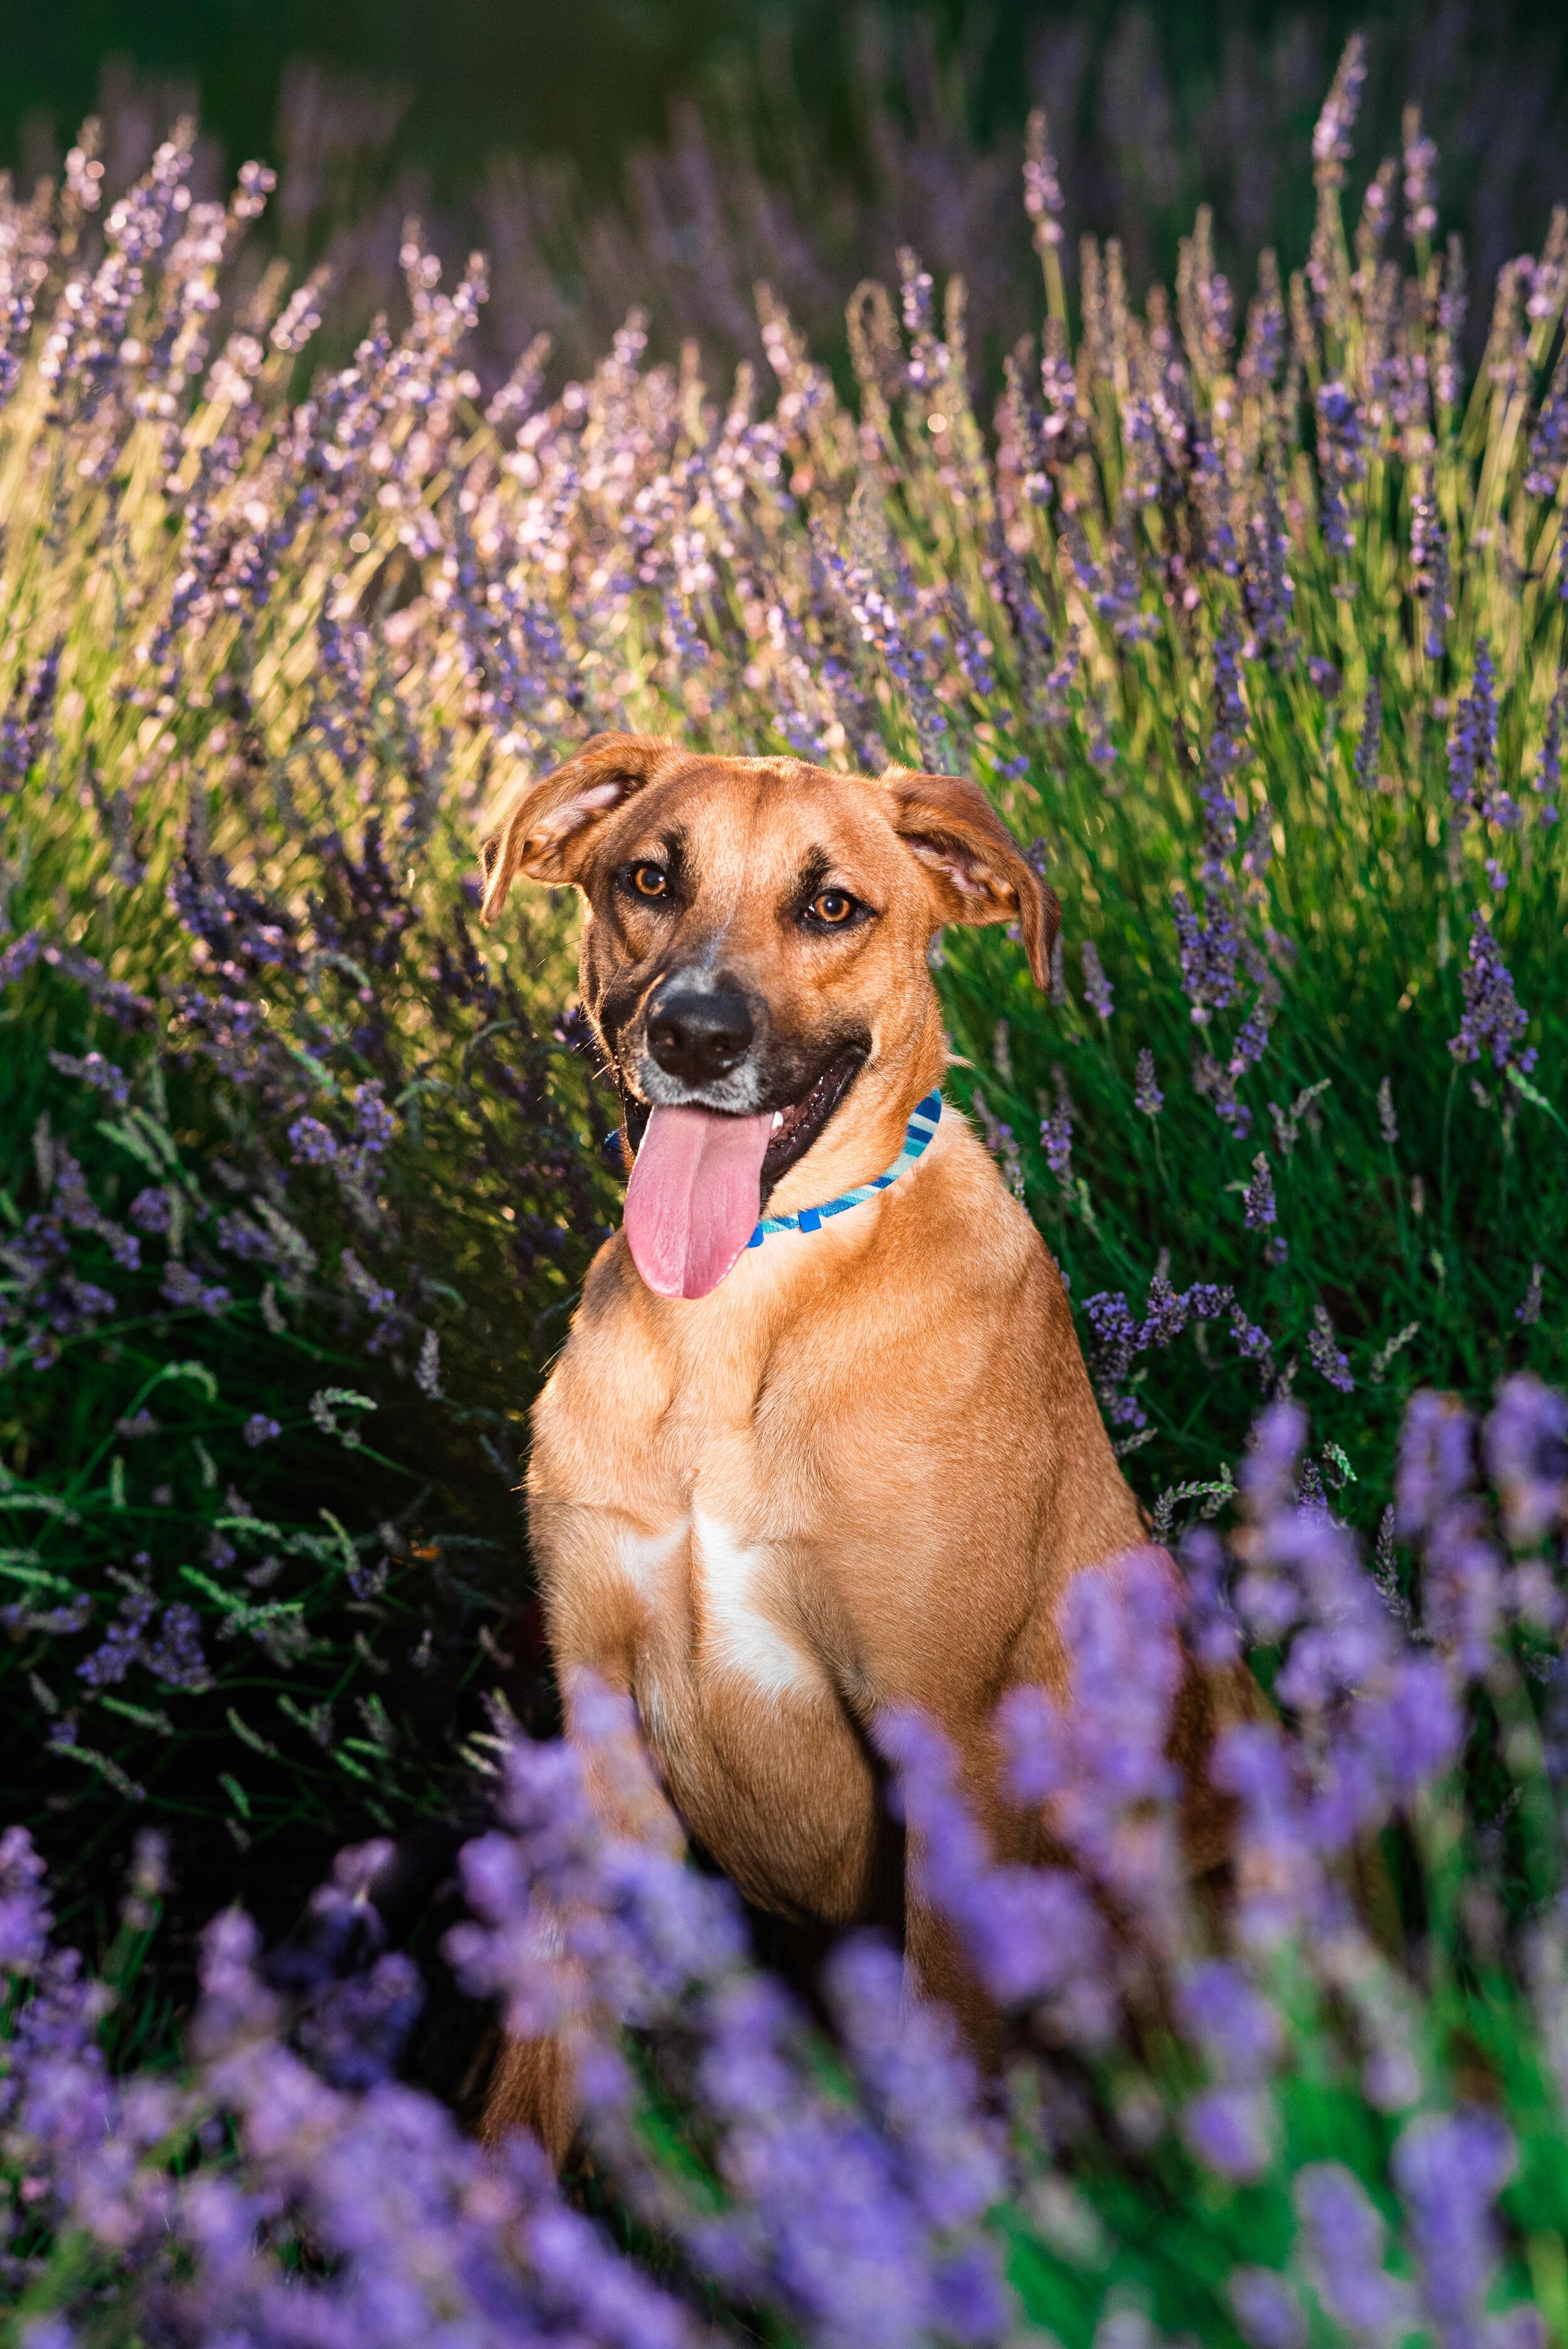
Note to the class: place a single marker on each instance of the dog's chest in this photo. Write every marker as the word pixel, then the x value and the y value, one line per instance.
pixel 708 1531
pixel 715 1607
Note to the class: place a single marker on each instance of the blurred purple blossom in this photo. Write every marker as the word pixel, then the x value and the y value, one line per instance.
pixel 1327 1357
pixel 1526 1447
pixel 1449 2168
pixel 1095 986
pixel 1259 1210
pixel 1420 180
pixel 1344 2235
pixel 1494 1020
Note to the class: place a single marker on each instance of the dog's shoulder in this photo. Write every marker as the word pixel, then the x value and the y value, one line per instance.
pixel 613 1372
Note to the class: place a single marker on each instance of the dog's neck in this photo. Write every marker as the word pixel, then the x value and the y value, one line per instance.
pixel 919 1134
pixel 862 1141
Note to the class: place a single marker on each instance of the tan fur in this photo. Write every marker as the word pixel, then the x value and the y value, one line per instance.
pixel 861 1472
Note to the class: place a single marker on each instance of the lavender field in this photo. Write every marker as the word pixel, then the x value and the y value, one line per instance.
pixel 1248 610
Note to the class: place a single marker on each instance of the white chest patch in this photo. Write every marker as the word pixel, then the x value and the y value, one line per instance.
pixel 642 1559
pixel 734 1635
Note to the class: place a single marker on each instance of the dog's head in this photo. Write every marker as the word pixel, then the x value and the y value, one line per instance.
pixel 755 958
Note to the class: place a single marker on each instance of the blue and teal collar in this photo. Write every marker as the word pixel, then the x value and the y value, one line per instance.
pixel 917 1136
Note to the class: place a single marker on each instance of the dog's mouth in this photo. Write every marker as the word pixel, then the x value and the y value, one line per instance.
pixel 795 1129
pixel 702 1176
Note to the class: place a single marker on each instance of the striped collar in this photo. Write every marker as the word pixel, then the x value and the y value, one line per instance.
pixel 917 1136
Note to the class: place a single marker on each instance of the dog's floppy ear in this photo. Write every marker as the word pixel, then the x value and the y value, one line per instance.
pixel 547 830
pixel 975 869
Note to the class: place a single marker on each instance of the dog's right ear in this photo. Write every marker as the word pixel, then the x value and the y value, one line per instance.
pixel 975 869
pixel 548 833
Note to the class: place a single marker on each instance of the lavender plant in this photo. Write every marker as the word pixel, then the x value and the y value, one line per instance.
pixel 1330 2108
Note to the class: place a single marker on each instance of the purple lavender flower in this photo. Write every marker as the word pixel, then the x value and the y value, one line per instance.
pixel 1437 1455
pixel 374 1124
pixel 1548 451
pixel 1057 1132
pixel 1101 1768
pixel 1095 986
pixel 354 2033
pixel 1033 1932
pixel 1145 1093
pixel 1267 2312
pixel 1341 463
pixel 1213 1630
pixel 122 1646
pixel 821 2214
pixel 1420 165
pixel 25 726
pixel 1343 2235
pixel 1233 2024
pixel 1494 1020
pixel 1449 2168
pixel 313 1144
pixel 1252 1343
pixel 1473 782
pixel 184 1287
pixel 95 1071
pixel 25 1917
pixel 1232 2131
pixel 1210 949
pixel 1114 1340
pixel 1268 590
pixel 1429 564
pixel 1042 189
pixel 919 2081
pixel 1279 1875
pixel 175 1656
pixel 1526 1447
pixel 1331 133
pixel 240 1235
pixel 1327 1357
pixel 1549 767
pixel 259 1429
pixel 1258 1207
pixel 1410 1733
pixel 1165 1315
pixel 1369 749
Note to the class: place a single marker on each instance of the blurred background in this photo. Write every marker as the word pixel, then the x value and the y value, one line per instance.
pixel 608 153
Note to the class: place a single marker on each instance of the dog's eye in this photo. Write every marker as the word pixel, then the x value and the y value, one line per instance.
pixel 830 909
pixel 649 881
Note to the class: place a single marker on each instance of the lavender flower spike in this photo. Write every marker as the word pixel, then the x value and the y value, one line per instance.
pixel 1449 2168
pixel 1331 135
pixel 1258 1206
pixel 1494 1020
pixel 1095 986
pixel 1526 1443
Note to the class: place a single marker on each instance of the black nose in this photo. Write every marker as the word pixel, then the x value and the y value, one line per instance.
pixel 698 1034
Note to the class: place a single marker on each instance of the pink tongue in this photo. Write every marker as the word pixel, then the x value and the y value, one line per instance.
pixel 694 1198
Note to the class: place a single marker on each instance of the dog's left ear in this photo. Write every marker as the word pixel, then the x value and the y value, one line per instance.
pixel 548 833
pixel 975 868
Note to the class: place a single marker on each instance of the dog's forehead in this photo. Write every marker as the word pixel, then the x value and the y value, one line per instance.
pixel 768 811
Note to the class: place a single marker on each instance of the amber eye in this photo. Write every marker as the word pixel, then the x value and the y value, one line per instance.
pixel 650 881
pixel 831 908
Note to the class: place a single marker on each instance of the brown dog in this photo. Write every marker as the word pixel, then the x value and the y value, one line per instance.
pixel 776 1488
